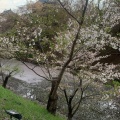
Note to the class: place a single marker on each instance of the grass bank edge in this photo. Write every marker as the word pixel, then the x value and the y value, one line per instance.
pixel 30 110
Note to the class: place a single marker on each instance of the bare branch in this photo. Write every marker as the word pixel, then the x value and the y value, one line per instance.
pixel 66 96
pixel 41 69
pixel 81 97
pixel 68 12
pixel 46 62
pixel 79 86
pixel 12 71
pixel 84 11
pixel 36 72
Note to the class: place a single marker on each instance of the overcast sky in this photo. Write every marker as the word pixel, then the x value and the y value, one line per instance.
pixel 11 4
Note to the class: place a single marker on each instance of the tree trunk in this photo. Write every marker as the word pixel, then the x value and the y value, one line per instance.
pixel 70 116
pixel 6 81
pixel 52 101
pixel 53 96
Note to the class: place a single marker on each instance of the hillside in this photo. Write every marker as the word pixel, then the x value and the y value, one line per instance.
pixel 28 109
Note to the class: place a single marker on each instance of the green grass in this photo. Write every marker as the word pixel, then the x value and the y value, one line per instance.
pixel 30 110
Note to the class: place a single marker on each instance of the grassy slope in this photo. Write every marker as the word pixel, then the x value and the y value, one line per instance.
pixel 30 110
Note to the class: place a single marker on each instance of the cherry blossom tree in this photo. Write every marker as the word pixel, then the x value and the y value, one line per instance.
pixel 77 50
pixel 7 71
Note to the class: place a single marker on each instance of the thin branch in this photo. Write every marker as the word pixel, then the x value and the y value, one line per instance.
pixel 13 71
pixel 79 86
pixel 78 103
pixel 34 67
pixel 74 93
pixel 77 51
pixel 42 70
pixel 84 11
pixel 46 61
pixel 86 87
pixel 35 71
pixel 68 12
pixel 66 96
pixel 72 96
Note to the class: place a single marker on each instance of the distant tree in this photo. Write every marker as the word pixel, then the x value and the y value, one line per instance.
pixel 7 71
pixel 10 21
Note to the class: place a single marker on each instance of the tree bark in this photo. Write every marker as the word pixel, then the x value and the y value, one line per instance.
pixel 52 101
pixel 69 117
pixel 6 81
pixel 70 113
